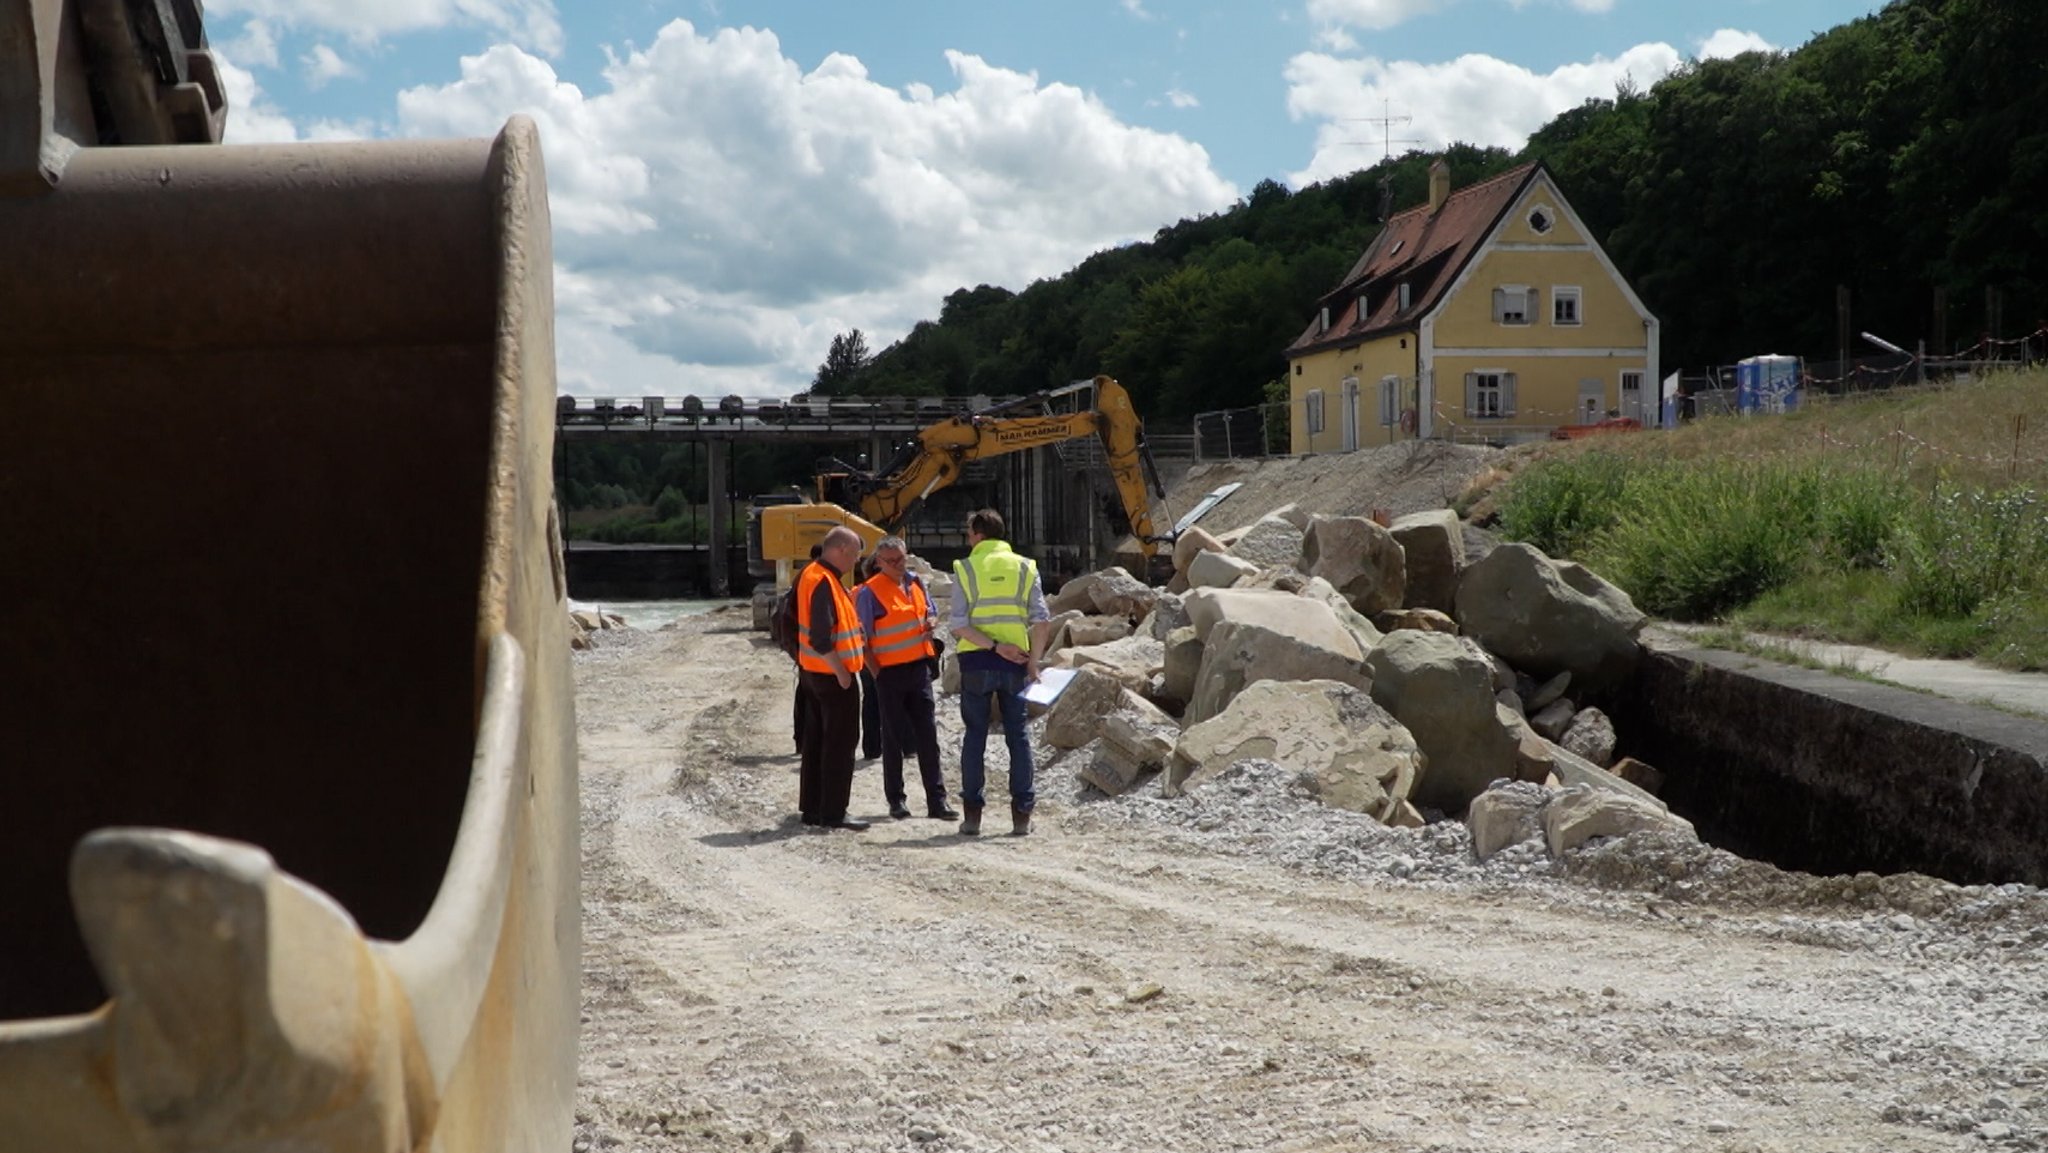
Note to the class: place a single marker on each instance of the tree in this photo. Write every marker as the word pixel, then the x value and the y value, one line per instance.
pixel 844 362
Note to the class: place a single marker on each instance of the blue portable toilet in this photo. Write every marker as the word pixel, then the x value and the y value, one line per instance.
pixel 1767 384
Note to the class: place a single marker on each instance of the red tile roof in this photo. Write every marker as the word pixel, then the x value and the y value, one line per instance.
pixel 1424 249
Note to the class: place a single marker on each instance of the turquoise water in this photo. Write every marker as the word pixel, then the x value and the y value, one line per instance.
pixel 650 615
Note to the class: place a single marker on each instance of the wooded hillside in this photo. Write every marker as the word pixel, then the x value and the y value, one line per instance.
pixel 1901 156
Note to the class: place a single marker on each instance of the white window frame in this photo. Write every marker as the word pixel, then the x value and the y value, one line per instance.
pixel 1312 403
pixel 1323 319
pixel 1363 314
pixel 1390 401
pixel 1518 301
pixel 1549 217
pixel 1490 394
pixel 1403 296
pixel 1562 295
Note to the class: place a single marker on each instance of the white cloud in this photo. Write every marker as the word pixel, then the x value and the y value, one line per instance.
pixel 1369 14
pixel 1475 99
pixel 720 214
pixel 1137 8
pixel 1180 99
pixel 252 119
pixel 1729 42
pixel 255 46
pixel 323 64
pixel 528 23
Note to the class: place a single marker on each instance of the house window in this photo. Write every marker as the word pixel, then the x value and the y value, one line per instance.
pixel 1390 401
pixel 1314 405
pixel 1323 319
pixel 1403 293
pixel 1490 394
pixel 1514 304
pixel 1297 370
pixel 1541 219
pixel 1363 311
pixel 1564 306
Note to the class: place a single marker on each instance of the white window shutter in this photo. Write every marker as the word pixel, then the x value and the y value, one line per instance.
pixel 1472 392
pixel 1507 394
pixel 1500 308
pixel 1530 303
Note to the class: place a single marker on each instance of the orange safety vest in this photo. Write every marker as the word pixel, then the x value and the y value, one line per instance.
pixel 899 632
pixel 846 639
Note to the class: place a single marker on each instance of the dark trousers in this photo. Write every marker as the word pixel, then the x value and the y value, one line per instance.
pixel 870 717
pixel 797 711
pixel 909 725
pixel 831 729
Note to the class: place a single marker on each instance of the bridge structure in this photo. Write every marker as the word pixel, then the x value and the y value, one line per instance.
pixel 1045 494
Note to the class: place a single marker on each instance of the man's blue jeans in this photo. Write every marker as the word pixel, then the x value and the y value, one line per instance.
pixel 1007 687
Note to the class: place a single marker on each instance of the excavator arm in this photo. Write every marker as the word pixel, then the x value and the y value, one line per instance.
pixel 946 448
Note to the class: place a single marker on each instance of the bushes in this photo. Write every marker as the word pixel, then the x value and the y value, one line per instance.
pixel 1953 571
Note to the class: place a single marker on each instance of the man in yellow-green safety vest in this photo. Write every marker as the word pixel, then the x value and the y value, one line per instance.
pixel 1001 621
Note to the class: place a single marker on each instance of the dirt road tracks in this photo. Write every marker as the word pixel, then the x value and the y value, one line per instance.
pixel 1236 969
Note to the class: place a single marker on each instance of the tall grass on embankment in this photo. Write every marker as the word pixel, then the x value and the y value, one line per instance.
pixel 1912 520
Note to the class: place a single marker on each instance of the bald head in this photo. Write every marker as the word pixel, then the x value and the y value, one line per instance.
pixel 840 548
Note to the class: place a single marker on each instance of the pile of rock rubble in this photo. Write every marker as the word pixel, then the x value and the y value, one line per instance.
pixel 1398 680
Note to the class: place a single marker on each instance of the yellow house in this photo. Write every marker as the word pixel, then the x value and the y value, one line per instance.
pixel 1489 313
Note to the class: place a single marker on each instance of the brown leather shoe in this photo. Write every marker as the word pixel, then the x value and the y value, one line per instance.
pixel 970 825
pixel 1020 823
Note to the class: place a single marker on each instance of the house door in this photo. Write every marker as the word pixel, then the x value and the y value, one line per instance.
pixel 1592 399
pixel 1350 413
pixel 1632 397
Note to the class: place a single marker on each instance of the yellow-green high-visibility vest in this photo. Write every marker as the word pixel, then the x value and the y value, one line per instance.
pixel 997 584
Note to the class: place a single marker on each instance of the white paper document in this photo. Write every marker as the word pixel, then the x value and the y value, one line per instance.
pixel 1046 689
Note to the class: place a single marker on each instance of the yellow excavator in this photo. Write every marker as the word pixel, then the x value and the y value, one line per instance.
pixel 876 504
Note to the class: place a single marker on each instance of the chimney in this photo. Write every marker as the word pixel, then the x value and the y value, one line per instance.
pixel 1439 184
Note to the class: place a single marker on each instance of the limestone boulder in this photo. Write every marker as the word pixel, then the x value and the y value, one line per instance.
pixel 949 673
pixel 1168 614
pixel 1553 719
pixel 1115 592
pixel 1351 753
pixel 1194 539
pixel 1075 717
pixel 1591 735
pixel 1643 776
pixel 1433 545
pixel 1131 661
pixel 1183 664
pixel 1310 619
pixel 1569 768
pixel 1359 558
pixel 1238 654
pixel 1441 688
pixel 1546 618
pixel 1269 542
pixel 1217 570
pixel 1578 813
pixel 1056 629
pixel 1541 696
pixel 1137 739
pixel 1097 630
pixel 1507 813
pixel 1425 620
pixel 1109 592
pixel 1362 630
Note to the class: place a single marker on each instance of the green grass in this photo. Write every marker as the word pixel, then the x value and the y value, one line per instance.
pixel 1914 522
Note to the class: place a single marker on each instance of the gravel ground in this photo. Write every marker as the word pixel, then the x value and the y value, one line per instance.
pixel 1237 969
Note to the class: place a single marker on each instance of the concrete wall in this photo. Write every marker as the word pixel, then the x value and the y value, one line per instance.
pixel 1820 773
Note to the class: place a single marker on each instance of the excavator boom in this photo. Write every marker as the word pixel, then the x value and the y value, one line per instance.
pixel 883 502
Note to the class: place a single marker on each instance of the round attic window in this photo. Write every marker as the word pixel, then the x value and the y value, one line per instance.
pixel 1540 220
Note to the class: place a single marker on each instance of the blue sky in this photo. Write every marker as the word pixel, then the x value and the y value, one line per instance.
pixel 736 181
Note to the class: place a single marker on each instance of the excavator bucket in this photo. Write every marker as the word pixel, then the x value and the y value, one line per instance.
pixel 288 802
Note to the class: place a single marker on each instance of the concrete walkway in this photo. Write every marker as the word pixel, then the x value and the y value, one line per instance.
pixel 1958 680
